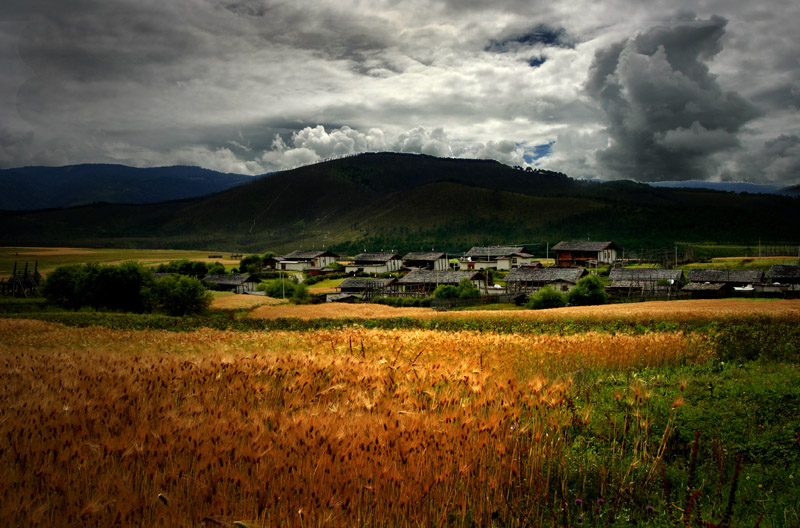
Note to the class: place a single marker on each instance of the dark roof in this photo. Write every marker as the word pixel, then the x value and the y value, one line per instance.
pixel 308 255
pixel 439 277
pixel 702 286
pixel 494 251
pixel 545 275
pixel 645 274
pixel 358 283
pixel 375 257
pixel 430 255
pixel 735 276
pixel 520 254
pixel 635 284
pixel 584 245
pixel 230 279
pixel 784 272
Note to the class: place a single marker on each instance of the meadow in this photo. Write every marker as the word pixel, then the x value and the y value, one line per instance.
pixel 354 425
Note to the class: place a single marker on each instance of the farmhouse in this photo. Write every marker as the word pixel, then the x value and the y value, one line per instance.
pixel 366 287
pixel 301 260
pixel 784 274
pixel 495 257
pixel 426 281
pixel 585 253
pixel 705 283
pixel 432 260
pixel 529 280
pixel 644 281
pixel 237 283
pixel 384 262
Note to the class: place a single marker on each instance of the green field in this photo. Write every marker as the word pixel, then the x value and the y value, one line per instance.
pixel 50 258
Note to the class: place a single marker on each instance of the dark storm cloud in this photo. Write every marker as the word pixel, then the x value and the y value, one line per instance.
pixel 666 113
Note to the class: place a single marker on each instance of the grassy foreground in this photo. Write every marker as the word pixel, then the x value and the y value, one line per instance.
pixel 479 420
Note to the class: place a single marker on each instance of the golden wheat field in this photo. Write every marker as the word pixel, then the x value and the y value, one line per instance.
pixel 350 427
pixel 244 302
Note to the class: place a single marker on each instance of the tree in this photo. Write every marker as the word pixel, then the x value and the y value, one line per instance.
pixel 62 287
pixel 547 297
pixel 589 290
pixel 181 295
pixel 300 294
pixel 217 268
pixel 282 288
pixel 251 264
pixel 467 290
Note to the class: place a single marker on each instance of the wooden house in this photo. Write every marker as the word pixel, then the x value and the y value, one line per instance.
pixel 530 280
pixel 237 283
pixel 301 260
pixel 645 281
pixel 585 253
pixel 432 260
pixel 495 257
pixel 704 283
pixel 366 287
pixel 425 282
pixel 382 262
pixel 784 274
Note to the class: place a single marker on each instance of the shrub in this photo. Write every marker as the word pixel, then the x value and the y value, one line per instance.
pixel 180 295
pixel 467 290
pixel 62 287
pixel 547 297
pixel 589 290
pixel 282 288
pixel 300 294
pixel 113 287
pixel 446 291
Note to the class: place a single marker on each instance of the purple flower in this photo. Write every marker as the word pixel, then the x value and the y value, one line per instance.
pixel 580 519
pixel 578 502
pixel 649 509
pixel 601 501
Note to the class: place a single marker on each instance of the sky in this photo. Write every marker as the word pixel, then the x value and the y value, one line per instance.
pixel 650 91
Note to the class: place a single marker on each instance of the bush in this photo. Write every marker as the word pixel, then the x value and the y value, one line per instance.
pixel 300 294
pixel 180 295
pixel 62 287
pixel 112 287
pixel 446 291
pixel 589 290
pixel 278 288
pixel 547 297
pixel 467 290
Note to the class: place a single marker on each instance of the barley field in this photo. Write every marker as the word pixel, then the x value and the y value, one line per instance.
pixel 348 427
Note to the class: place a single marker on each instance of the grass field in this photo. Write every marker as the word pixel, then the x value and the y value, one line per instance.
pixel 50 258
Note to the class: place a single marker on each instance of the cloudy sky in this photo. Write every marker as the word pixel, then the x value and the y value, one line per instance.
pixel 659 90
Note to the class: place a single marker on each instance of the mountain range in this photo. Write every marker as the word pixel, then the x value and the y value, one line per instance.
pixel 411 202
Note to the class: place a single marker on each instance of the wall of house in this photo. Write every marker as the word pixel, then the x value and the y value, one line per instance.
pixel 377 268
pixel 296 266
pixel 325 261
pixel 465 265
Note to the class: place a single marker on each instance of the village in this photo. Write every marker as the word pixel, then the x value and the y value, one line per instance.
pixel 507 274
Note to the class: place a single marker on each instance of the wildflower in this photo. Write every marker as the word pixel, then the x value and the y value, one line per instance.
pixel 600 501
pixel 578 502
pixel 580 519
pixel 649 509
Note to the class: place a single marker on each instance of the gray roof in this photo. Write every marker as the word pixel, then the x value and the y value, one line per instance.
pixel 702 286
pixel 439 277
pixel 375 257
pixel 494 251
pixel 359 283
pixel 784 272
pixel 230 279
pixel 584 245
pixel 635 284
pixel 308 255
pixel 645 274
pixel 728 276
pixel 429 255
pixel 545 275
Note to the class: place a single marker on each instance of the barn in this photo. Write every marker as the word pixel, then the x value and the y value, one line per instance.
pixel 585 253
pixel 529 280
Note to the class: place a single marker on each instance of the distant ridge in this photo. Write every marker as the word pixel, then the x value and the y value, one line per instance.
pixel 30 188
pixel 410 202
pixel 737 187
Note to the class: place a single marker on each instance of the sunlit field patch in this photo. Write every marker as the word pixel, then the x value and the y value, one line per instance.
pixel 332 427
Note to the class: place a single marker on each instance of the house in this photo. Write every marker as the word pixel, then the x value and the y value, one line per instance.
pixel 237 283
pixel 704 283
pixel 784 274
pixel 366 287
pixel 585 253
pixel 301 260
pixel 432 260
pixel 529 280
pixel 645 281
pixel 383 262
pixel 342 298
pixel 495 257
pixel 424 282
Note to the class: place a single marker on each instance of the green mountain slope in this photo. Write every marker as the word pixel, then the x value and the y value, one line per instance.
pixel 405 202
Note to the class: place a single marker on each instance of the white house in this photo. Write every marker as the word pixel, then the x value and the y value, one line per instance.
pixel 302 260
pixel 383 262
